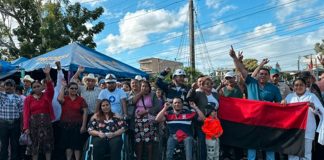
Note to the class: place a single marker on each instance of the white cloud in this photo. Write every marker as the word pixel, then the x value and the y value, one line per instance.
pixel 272 48
pixel 226 9
pixel 219 29
pixel 144 4
pixel 289 7
pixel 213 3
pixel 262 30
pixel 135 28
pixel 171 36
pixel 107 14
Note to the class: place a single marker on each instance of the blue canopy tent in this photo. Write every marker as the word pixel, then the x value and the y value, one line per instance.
pixel 74 54
pixel 6 69
pixel 17 61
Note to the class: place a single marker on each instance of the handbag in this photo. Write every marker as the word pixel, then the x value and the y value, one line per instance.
pixel 25 139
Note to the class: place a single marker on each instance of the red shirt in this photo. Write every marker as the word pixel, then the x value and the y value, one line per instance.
pixel 43 105
pixel 72 109
pixel 212 128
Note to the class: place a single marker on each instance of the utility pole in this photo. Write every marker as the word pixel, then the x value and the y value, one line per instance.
pixel 192 38
pixel 298 63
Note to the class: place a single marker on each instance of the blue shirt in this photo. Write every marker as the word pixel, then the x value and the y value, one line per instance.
pixel 269 92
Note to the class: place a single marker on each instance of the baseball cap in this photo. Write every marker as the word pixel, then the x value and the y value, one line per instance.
pixel 110 78
pixel 274 71
pixel 230 74
pixel 179 72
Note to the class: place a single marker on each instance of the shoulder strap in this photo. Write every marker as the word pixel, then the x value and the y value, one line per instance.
pixel 143 102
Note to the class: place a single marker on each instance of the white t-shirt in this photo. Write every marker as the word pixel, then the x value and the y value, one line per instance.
pixel 115 98
pixel 212 99
pixel 307 97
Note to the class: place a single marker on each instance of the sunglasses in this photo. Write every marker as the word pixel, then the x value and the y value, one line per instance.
pixel 72 88
pixel 228 78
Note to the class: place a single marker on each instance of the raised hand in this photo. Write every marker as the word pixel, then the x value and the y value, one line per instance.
pixel 264 61
pixel 47 69
pixel 64 83
pixel 321 59
pixel 240 56
pixel 223 83
pixel 232 52
pixel 192 104
pixel 58 65
pixel 80 69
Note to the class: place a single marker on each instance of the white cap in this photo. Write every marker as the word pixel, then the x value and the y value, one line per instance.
pixel 110 78
pixel 230 74
pixel 138 77
pixel 179 72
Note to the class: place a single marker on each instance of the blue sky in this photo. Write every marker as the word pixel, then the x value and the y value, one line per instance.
pixel 280 30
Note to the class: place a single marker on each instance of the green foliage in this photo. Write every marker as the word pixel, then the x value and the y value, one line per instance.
pixel 192 74
pixel 75 19
pixel 287 76
pixel 250 64
pixel 45 27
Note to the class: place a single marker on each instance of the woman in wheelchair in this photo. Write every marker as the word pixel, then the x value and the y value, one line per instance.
pixel 106 130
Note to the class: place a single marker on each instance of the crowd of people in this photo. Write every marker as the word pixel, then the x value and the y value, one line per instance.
pixel 62 120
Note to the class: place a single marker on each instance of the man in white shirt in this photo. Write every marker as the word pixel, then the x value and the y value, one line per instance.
pixel 116 96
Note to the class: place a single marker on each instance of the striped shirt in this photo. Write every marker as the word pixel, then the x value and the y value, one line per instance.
pixel 11 106
pixel 181 121
pixel 90 96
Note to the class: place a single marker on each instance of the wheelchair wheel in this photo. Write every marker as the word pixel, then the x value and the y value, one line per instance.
pixel 88 150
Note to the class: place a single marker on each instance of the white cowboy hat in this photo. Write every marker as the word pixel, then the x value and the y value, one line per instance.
pixel 28 78
pixel 89 76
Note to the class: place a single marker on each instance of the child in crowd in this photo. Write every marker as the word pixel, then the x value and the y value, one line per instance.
pixel 213 130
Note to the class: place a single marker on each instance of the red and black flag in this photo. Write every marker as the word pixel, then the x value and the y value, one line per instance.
pixel 264 125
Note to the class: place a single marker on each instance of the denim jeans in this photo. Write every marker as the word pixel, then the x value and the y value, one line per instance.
pixel 252 155
pixel 308 151
pixel 9 132
pixel 202 144
pixel 172 142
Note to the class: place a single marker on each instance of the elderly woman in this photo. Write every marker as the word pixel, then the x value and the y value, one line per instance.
pixel 106 130
pixel 38 114
pixel 73 121
pixel 300 94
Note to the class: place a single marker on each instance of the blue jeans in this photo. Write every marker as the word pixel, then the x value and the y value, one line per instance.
pixel 252 155
pixel 172 142
pixel 202 138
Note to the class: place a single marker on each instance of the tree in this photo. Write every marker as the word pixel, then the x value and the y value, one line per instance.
pixel 319 48
pixel 194 73
pixel 250 64
pixel 75 19
pixel 45 27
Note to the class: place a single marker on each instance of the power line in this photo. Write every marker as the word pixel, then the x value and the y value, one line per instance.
pixel 225 45
pixel 231 20
pixel 232 37
pixel 256 44
pixel 263 42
